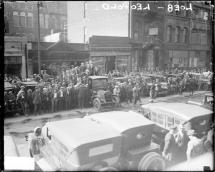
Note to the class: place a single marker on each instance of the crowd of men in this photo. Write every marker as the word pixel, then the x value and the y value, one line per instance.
pixel 184 144
pixel 70 89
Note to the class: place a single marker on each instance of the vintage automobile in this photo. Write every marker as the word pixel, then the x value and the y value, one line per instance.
pixel 11 107
pixel 101 97
pixel 160 81
pixel 8 86
pixel 207 101
pixel 121 79
pixel 12 158
pixel 78 144
pixel 138 152
pixel 167 114
pixel 116 141
pixel 29 85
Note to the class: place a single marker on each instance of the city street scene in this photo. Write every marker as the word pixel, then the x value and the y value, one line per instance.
pixel 108 85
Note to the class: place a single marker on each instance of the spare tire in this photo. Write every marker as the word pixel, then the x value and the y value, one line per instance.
pixel 97 104
pixel 151 161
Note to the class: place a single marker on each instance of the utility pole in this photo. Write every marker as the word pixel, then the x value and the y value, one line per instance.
pixel 85 4
pixel 39 4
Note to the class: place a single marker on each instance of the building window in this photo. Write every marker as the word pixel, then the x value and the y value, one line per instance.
pixel 46 21
pixel 169 33
pixel 22 19
pixel 185 35
pixel 177 34
pixel 54 20
pixel 42 21
pixel 63 22
pixel 15 18
pixel 30 20
pixel 136 34
pixel 6 25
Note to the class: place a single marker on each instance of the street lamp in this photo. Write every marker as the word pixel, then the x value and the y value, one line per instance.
pixel 39 4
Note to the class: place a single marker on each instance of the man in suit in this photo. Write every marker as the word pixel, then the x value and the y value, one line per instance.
pixel 81 94
pixel 37 101
pixel 21 99
pixel 169 150
pixel 195 146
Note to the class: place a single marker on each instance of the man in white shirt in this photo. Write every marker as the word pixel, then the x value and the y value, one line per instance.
pixel 195 146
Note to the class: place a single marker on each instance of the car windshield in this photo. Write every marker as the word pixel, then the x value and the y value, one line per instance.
pixel 99 83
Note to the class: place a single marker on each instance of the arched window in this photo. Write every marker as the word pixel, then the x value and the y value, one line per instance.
pixel 169 33
pixel 22 19
pixel 47 21
pixel 42 21
pixel 15 18
pixel 177 34
pixel 30 20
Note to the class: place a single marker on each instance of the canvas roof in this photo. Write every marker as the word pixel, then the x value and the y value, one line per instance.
pixel 121 120
pixel 186 111
pixel 76 132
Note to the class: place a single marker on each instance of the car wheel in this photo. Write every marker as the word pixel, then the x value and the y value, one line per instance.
pixel 108 169
pixel 100 165
pixel 151 161
pixel 97 104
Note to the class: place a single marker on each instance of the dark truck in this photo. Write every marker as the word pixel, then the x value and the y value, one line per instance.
pixel 101 97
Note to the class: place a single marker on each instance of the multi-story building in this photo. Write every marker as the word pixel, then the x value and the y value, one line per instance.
pixel 21 18
pixel 15 53
pixel 170 34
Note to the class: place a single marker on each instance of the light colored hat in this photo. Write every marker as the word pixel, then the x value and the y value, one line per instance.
pixel 191 132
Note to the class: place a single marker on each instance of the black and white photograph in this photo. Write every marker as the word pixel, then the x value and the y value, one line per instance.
pixel 108 85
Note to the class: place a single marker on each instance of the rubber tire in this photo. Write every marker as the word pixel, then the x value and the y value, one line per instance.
pixel 148 159
pixel 102 164
pixel 108 169
pixel 97 104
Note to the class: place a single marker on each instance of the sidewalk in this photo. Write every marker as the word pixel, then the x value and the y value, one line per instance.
pixel 73 112
pixel 79 112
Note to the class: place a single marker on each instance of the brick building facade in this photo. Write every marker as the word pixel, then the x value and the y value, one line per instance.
pixel 110 53
pixel 165 38
pixel 21 18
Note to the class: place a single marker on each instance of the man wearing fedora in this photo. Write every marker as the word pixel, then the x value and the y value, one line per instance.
pixel 195 146
pixel 169 150
pixel 21 99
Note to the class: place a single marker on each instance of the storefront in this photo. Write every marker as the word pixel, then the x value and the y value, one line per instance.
pixel 58 55
pixel 15 56
pixel 110 53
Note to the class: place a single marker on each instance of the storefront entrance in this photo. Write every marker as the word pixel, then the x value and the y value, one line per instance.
pixel 110 63
pixel 13 69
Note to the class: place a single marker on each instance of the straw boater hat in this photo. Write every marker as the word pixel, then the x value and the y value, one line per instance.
pixel 191 133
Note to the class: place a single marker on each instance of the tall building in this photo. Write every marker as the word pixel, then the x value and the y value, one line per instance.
pixel 171 34
pixel 21 18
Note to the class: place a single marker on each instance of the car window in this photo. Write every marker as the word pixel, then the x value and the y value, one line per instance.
pixel 170 121
pixel 177 121
pixel 160 119
pixel 154 116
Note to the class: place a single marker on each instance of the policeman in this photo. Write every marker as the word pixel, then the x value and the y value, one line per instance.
pixel 195 146
pixel 36 142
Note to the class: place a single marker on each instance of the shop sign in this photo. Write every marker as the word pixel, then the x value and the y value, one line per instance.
pixel 153 31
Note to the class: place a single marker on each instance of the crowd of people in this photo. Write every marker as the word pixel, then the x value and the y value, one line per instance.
pixel 70 89
pixel 184 145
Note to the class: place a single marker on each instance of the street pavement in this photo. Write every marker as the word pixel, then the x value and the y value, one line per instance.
pixel 20 126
